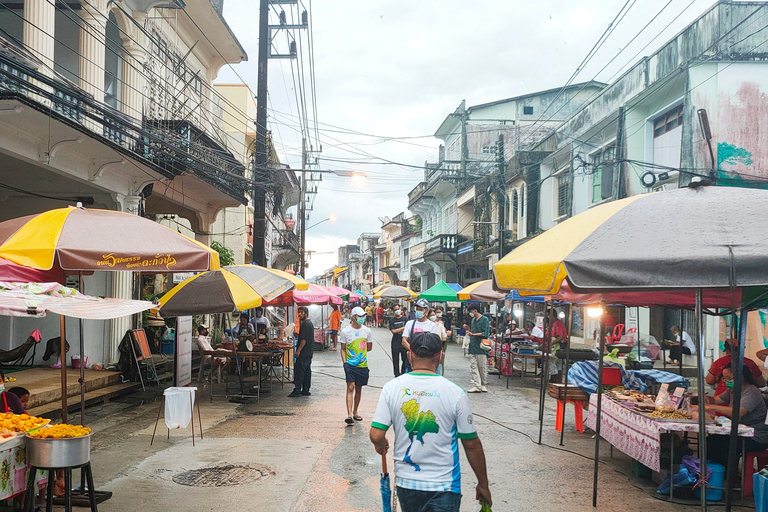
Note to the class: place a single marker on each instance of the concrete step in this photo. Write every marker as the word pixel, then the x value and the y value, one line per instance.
pixel 96 397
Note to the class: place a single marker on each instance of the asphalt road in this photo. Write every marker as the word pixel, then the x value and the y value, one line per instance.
pixel 310 461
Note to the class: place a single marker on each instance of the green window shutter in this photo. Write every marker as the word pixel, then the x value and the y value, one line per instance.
pixel 597 178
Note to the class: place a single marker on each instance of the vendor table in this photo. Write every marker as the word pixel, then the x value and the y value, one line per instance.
pixel 639 436
pixel 257 357
pixel 14 467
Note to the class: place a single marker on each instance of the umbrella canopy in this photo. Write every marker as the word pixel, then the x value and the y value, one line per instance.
pixel 339 291
pixel 380 288
pixel 514 296
pixel 440 292
pixel 455 287
pixel 80 239
pixel 235 287
pixel 684 238
pixel 12 272
pixel 481 291
pixel 37 299
pixel 396 292
pixel 315 294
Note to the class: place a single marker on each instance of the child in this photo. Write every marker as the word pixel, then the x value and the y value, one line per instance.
pixel 23 395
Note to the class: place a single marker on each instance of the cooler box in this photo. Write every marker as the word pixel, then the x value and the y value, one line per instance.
pixel 761 492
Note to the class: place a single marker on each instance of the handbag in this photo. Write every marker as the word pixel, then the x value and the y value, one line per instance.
pixel 486 345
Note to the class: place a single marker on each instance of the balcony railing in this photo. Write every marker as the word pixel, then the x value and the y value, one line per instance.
pixel 443 170
pixel 416 193
pixel 441 243
pixel 285 239
pixel 169 147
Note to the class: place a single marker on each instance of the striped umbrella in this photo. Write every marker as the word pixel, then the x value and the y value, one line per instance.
pixel 686 238
pixel 236 287
pixel 396 292
pixel 481 291
pixel 81 239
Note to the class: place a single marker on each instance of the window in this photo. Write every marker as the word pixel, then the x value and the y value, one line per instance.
pixel 513 215
pixel 528 111
pixel 667 122
pixel 563 194
pixel 487 150
pixel 603 162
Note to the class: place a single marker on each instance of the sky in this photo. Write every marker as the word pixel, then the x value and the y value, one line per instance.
pixel 387 73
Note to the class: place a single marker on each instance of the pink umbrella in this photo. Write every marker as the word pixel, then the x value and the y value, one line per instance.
pixel 338 290
pixel 315 294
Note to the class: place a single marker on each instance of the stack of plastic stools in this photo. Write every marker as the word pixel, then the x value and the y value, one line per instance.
pixel 749 468
pixel 578 412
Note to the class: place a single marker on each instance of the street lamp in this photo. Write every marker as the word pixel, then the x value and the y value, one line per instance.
pixel 331 218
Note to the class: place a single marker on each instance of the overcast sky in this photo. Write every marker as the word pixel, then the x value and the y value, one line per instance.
pixel 387 73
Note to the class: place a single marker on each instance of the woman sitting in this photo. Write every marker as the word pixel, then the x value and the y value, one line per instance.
pixel 752 412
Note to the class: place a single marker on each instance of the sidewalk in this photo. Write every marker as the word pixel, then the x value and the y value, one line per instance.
pixel 317 464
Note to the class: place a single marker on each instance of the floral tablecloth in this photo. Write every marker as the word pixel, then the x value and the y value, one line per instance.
pixel 14 468
pixel 639 436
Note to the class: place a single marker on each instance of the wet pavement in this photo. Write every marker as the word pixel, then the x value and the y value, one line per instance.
pixel 310 461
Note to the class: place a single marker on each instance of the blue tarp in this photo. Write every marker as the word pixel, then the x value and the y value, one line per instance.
pixel 516 297
pixel 455 287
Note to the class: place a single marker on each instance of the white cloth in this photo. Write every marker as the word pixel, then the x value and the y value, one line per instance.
pixel 441 331
pixel 429 414
pixel 419 326
pixel 478 369
pixel 178 406
pixel 536 331
pixel 687 342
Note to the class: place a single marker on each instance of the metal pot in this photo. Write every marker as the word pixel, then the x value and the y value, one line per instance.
pixel 59 453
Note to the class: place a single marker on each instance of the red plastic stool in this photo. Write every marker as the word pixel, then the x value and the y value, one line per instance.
pixel 578 412
pixel 749 465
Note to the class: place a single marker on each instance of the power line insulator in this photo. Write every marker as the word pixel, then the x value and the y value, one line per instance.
pixel 293 49
pixel 283 18
pixel 304 18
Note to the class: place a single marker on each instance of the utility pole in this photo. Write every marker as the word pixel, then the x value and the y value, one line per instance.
pixel 464 148
pixel 260 160
pixel 501 192
pixel 618 174
pixel 302 211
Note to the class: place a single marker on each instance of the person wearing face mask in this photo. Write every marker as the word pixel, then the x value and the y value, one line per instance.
pixel 421 322
pixel 399 353
pixel 8 401
pixel 752 412
pixel 356 341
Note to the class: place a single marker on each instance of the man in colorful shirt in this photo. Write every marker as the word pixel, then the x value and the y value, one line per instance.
pixel 356 340
pixel 429 414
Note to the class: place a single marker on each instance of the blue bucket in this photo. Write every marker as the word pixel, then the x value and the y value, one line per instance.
pixel 717 480
pixel 761 492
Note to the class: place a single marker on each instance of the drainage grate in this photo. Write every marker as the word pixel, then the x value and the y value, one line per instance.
pixel 223 475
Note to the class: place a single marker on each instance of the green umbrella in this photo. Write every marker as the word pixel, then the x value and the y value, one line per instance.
pixel 441 292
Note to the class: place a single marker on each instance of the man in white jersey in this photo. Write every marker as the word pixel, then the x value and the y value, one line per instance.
pixel 356 341
pixel 429 414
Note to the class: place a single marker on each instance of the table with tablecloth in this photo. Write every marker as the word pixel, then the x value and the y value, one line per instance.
pixel 14 467
pixel 640 436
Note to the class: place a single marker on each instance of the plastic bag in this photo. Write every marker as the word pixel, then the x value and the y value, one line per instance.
pixel 694 466
pixel 683 478
pixel 178 406
pixel 663 399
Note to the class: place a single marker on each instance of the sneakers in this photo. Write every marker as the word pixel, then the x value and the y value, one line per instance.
pixel 294 394
pixel 484 389
pixel 306 393
pixel 474 390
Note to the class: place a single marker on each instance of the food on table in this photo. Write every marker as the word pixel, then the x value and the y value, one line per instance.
pixel 61 431
pixel 20 422
pixel 670 413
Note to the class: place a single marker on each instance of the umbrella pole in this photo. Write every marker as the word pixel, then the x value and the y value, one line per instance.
pixel 599 405
pixel 699 310
pixel 82 360
pixel 62 359
pixel 545 370
pixel 734 438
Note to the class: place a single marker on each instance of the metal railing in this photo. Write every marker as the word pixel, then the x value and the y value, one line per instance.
pixel 167 146
pixel 286 239
pixel 441 243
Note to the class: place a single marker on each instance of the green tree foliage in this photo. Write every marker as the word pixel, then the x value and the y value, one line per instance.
pixel 226 255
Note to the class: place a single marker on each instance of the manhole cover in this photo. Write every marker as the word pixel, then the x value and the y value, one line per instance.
pixel 223 475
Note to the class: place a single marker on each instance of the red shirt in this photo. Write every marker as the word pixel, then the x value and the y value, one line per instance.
pixel 717 370
pixel 557 329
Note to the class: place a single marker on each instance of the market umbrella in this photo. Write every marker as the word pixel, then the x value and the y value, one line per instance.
pixel 15 273
pixel 689 238
pixel 380 288
pixel 396 292
pixel 80 239
pixel 440 292
pixel 235 287
pixel 481 291
pixel 339 292
pixel 314 294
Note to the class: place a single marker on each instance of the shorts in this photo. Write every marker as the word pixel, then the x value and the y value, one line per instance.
pixel 356 374
pixel 334 332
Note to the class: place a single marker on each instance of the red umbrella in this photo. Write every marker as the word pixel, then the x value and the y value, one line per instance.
pixel 13 273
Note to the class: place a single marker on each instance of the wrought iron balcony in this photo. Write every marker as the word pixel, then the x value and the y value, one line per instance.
pixel 169 147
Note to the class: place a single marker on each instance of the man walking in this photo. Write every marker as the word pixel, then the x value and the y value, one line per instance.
pixel 421 322
pixel 399 353
pixel 429 414
pixel 302 375
pixel 356 340
pixel 478 358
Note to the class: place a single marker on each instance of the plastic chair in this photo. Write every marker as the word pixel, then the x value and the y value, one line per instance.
pixel 578 412
pixel 618 330
pixel 749 468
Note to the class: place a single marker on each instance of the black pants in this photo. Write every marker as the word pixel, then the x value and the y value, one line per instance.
pixel 399 359
pixel 674 352
pixel 302 375
pixel 717 447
